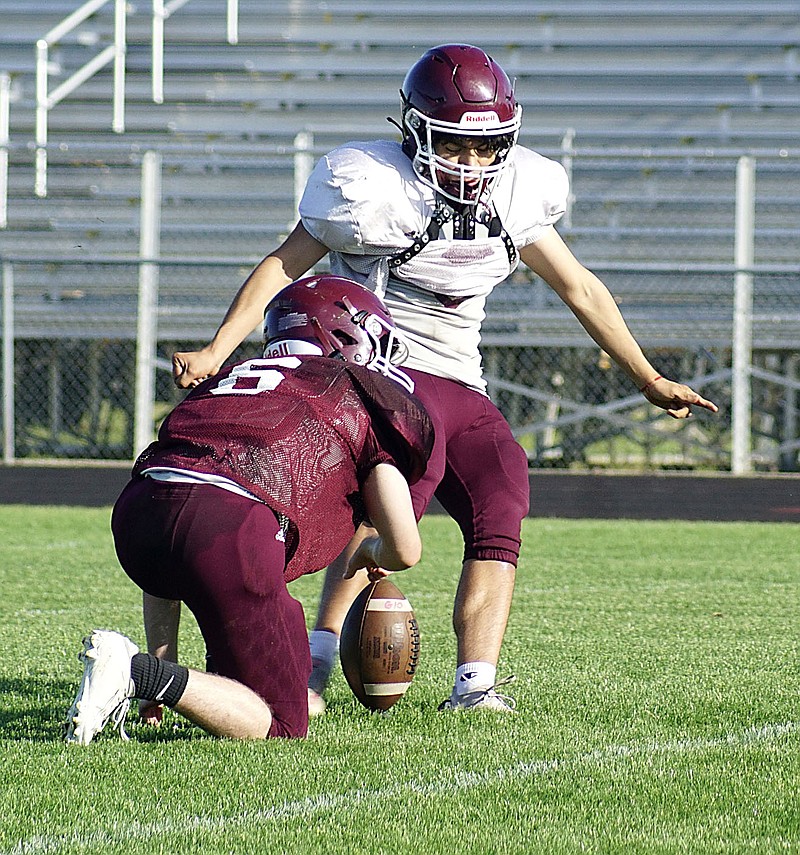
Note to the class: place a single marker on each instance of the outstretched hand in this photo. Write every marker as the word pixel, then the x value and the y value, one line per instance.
pixel 676 398
pixel 190 368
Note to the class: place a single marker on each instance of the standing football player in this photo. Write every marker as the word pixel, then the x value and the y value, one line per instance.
pixel 432 224
pixel 260 475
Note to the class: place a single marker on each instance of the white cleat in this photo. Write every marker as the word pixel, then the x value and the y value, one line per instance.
pixel 106 688
pixel 486 699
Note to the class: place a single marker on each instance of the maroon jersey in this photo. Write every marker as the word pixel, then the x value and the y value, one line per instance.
pixel 301 434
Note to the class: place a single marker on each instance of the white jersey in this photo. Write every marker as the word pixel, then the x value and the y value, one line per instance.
pixel 388 230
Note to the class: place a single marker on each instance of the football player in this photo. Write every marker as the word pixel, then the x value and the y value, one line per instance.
pixel 432 224
pixel 261 474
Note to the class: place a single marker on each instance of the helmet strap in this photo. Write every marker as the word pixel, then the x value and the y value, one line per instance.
pixel 326 340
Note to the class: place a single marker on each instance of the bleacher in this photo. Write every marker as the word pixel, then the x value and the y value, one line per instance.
pixel 694 84
pixel 617 71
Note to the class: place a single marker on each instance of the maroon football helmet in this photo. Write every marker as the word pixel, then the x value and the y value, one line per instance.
pixel 458 91
pixel 333 316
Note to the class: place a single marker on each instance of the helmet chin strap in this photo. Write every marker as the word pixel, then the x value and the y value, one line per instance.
pixel 393 121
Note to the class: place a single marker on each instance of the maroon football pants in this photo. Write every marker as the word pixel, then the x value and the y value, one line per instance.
pixel 218 552
pixel 477 470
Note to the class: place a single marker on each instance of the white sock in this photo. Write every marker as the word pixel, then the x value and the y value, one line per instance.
pixel 323 644
pixel 474 677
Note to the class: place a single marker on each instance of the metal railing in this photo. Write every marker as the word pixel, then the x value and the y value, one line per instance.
pixel 90 351
pixel 161 12
pixel 47 99
pixel 5 139
pixel 147 302
pixel 131 310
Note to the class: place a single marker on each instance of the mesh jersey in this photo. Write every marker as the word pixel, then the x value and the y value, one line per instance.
pixel 365 203
pixel 301 434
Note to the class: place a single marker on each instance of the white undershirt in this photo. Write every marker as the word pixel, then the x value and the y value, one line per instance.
pixel 185 476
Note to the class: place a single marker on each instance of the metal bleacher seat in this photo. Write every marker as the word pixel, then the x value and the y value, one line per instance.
pixel 635 69
pixel 621 73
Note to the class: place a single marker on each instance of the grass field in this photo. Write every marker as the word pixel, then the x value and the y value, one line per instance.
pixel 658 689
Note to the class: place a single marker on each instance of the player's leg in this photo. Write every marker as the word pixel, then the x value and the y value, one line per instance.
pixel 115 671
pixel 480 617
pixel 481 609
pixel 485 489
pixel 224 707
pixel 161 623
pixel 254 630
pixel 223 555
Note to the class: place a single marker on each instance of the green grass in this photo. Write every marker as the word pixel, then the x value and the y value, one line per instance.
pixel 657 692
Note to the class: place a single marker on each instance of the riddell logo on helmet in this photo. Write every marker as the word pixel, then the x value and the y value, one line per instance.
pixel 291 347
pixel 279 348
pixel 487 118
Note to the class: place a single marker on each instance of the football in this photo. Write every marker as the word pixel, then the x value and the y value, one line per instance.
pixel 379 645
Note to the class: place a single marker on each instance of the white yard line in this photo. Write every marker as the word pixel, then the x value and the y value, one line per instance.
pixel 123 832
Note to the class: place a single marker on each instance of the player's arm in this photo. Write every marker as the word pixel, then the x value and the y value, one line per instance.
pixel 397 544
pixel 161 622
pixel 296 255
pixel 592 304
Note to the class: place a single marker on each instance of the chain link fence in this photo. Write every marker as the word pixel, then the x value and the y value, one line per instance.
pixel 660 229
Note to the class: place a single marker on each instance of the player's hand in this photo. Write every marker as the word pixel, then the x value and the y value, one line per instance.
pixel 676 398
pixel 190 368
pixel 151 713
pixel 365 558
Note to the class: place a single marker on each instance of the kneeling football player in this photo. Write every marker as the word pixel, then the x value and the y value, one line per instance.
pixel 260 475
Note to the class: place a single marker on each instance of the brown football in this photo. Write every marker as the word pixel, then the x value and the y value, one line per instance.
pixel 379 645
